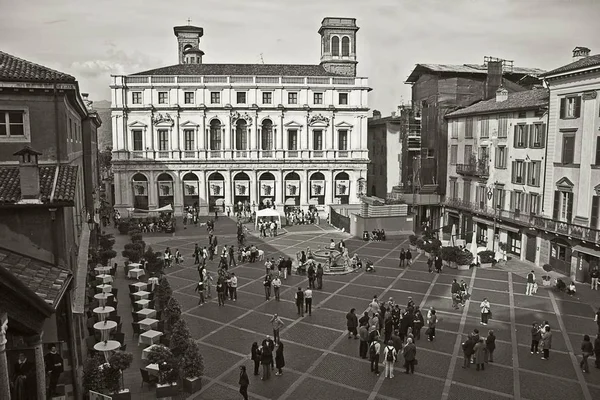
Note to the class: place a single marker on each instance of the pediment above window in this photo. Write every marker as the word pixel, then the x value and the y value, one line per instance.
pixel 137 124
pixel 597 190
pixel 293 124
pixel 564 184
pixel 344 125
pixel 189 124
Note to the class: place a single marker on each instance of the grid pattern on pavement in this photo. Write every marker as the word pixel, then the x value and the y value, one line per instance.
pixel 321 363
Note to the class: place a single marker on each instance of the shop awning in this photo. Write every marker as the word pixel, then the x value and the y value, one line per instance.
pixel 508 228
pixel 587 250
pixel 482 220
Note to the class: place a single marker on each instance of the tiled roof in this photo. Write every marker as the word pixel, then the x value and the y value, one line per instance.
pixel 586 62
pixel 66 183
pixel 465 69
pixel 240 69
pixel 44 279
pixel 16 69
pixel 516 101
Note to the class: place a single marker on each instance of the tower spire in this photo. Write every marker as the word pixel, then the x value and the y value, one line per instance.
pixel 189 21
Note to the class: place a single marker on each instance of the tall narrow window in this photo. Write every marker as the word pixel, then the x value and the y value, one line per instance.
pixel 267 135
pixel 568 149
pixel 533 173
pixel 503 126
pixel 241 135
pixel 335 46
pixel 534 203
pixel 163 140
pixel 343 140
pixel 138 140
pixel 188 139
pixel 484 125
pixel 538 134
pixel 566 206
pixel 453 154
pixel 469 128
pixel 595 212
pixel 345 46
pixel 454 134
pixel 520 136
pixel 501 157
pixel 467 191
pixel 597 161
pixel 518 172
pixel 293 139
pixel 499 198
pixel 468 154
pixel 215 134
pixel 317 139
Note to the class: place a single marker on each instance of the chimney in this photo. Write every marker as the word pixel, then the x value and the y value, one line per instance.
pixel 376 114
pixel 29 173
pixel 580 52
pixel 501 95
pixel 494 79
pixel 88 103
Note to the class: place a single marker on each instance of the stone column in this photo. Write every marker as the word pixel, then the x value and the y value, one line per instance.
pixel 4 379
pixel 304 188
pixel 228 191
pixel 253 186
pixel 279 190
pixel 329 193
pixel 40 366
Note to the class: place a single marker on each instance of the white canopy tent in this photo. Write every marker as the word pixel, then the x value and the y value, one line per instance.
pixel 267 212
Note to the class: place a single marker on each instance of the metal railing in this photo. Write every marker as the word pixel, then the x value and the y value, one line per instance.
pixel 477 169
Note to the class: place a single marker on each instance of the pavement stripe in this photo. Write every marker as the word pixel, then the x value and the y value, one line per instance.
pixel 513 338
pixel 457 345
pixel 574 360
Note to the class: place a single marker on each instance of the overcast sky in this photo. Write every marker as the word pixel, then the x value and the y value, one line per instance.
pixel 92 39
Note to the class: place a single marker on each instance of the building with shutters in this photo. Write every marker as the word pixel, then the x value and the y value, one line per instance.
pixel 224 135
pixel 496 161
pixel 572 183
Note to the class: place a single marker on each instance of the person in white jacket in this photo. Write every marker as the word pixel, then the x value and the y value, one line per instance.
pixel 389 358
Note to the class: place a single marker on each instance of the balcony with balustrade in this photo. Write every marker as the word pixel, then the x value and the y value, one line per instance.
pixel 529 220
pixel 240 155
pixel 478 169
pixel 154 80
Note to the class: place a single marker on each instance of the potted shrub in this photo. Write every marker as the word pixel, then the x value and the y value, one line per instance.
pixel 486 259
pixel 119 361
pixel 133 252
pixel 464 259
pixel 180 338
pixel 503 248
pixel 93 377
pixel 191 367
pixel 546 279
pixel 448 255
pixel 163 293
pixel 171 315
pixel 427 249
pixel 420 243
pixel 167 371
pixel 412 242
pixel 156 262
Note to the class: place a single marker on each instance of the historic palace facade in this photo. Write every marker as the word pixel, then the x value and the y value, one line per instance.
pixel 229 134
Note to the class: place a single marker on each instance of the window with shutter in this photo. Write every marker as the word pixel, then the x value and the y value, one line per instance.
pixel 563 108
pixel 511 204
pixel 577 111
pixel 556 206
pixel 569 207
pixel 568 150
pixel 595 209
pixel 597 151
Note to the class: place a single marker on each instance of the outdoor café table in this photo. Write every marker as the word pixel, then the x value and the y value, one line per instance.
pixel 147 312
pixel 142 294
pixel 102 270
pixel 144 303
pixel 102 297
pixel 133 265
pixel 107 347
pixel 103 312
pixel 136 273
pixel 139 285
pixel 105 327
pixel 147 350
pixel 147 323
pixel 104 278
pixel 149 337
pixel 153 281
pixel 104 288
pixel 152 369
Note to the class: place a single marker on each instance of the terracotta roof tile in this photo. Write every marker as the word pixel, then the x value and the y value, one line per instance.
pixel 516 101
pixel 586 62
pixel 44 279
pixel 465 69
pixel 16 69
pixel 66 184
pixel 240 69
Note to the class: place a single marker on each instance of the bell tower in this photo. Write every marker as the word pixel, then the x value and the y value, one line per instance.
pixel 188 43
pixel 338 45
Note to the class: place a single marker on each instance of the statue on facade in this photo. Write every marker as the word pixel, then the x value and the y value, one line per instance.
pixel 318 118
pixel 158 118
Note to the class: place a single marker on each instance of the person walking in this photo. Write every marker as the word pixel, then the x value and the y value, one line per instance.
pixel 200 290
pixel 352 323
pixel 485 311
pixel 267 285
pixel 438 264
pixel 530 283
pixel 319 276
pixel 402 258
pixel 279 359
pixel 536 336
pixel 467 348
pixel 54 367
pixel 231 253
pixel 232 283
pixel 418 323
pixel 276 286
pixel 300 302
pixel 597 350
pixel 255 356
pixel 374 350
pixel 430 263
pixel 490 346
pixel 587 350
pixel 546 342
pixel 266 359
pixel 389 355
pixel 479 354
pixel 312 276
pixel 308 300
pixel 277 324
pixel 244 382
pixel 408 258
pixel 595 275
pixel 221 292
pixel 431 324
pixel 363 333
pixel 410 356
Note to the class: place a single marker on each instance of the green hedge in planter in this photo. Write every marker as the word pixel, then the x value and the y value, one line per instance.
pixel 161 355
pixel 412 239
pixel 464 257
pixel 156 263
pixel 547 267
pixel 487 257
pixel 420 243
pixel 120 361
pixel 171 315
pixel 191 366
pixel 449 253
pixel 180 338
pixel 163 293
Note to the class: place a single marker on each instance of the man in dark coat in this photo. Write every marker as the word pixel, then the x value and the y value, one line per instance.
pixel 410 354
pixel 352 323
pixel 23 380
pixel 54 367
pixel 438 264
pixel 319 276
pixel 244 382
pixel 268 342
pixel 364 320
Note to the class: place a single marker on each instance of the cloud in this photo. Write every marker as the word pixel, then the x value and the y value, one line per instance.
pixel 116 62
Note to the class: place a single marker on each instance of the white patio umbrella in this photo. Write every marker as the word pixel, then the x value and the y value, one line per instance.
pixel 473 248
pixel 453 234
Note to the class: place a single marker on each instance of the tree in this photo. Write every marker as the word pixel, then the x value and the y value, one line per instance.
pixel 171 315
pixel 167 364
pixel 191 364
pixel 93 377
pixel 163 293
pixel 156 262
pixel 105 161
pixel 119 361
pixel 180 338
